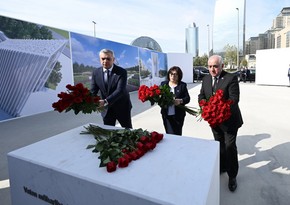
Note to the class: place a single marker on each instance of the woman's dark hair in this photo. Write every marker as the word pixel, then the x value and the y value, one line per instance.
pixel 178 71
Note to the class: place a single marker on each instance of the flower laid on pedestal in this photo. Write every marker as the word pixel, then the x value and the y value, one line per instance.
pixel 77 98
pixel 118 147
pixel 216 110
pixel 163 97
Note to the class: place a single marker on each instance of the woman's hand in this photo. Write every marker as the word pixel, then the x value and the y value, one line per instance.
pixel 178 101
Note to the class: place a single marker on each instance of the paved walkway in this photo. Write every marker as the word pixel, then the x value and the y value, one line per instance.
pixel 263 144
pixel 263 141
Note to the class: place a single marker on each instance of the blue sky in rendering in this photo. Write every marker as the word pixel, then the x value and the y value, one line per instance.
pixel 145 56
pixel 85 50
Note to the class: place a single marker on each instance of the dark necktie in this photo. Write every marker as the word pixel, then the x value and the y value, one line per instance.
pixel 214 84
pixel 106 78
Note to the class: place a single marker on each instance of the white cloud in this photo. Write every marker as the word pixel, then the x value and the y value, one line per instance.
pixel 83 55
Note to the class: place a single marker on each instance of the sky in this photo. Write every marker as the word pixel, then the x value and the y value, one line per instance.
pixel 163 20
pixel 259 17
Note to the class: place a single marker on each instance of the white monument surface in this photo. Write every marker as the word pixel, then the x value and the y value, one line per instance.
pixel 61 171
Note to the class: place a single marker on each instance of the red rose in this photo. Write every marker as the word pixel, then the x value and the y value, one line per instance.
pixel 160 137
pixel 150 93
pixel 158 92
pixel 96 99
pixel 202 103
pixel 133 155
pixel 123 162
pixel 88 99
pixel 140 153
pixel 69 86
pixel 219 92
pixel 213 108
pixel 205 115
pixel 150 145
pixel 78 100
pixel 125 151
pixel 111 166
pixel 79 86
pixel 61 94
pixel 155 136
pixel 139 145
pixel 128 157
pixel 143 139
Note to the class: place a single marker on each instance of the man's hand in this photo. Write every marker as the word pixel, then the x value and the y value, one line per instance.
pixel 102 103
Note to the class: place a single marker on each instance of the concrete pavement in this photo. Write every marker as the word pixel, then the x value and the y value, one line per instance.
pixel 263 144
pixel 263 141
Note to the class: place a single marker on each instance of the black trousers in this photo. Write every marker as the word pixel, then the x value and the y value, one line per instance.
pixel 124 119
pixel 173 124
pixel 228 150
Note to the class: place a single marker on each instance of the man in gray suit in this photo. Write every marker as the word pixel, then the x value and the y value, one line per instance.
pixel 225 133
pixel 111 81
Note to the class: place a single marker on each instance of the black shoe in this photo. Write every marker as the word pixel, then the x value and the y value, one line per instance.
pixel 232 184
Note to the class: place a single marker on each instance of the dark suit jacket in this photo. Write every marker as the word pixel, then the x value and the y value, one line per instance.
pixel 181 92
pixel 117 94
pixel 229 84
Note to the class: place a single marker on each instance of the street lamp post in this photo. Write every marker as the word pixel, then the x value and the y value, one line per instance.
pixel 208 41
pixel 238 41
pixel 94 28
pixel 212 39
pixel 244 31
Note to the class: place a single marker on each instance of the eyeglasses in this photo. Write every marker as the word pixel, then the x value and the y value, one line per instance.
pixel 174 74
pixel 108 59
pixel 213 66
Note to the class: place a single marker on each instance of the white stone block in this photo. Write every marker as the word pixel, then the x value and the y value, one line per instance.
pixel 60 170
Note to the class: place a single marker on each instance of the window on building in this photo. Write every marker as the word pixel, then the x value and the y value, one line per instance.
pixel 288 39
pixel 278 42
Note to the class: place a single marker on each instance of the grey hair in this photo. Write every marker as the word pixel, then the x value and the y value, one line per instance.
pixel 221 62
pixel 107 51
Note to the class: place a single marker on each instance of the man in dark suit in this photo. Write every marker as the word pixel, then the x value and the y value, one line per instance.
pixel 225 133
pixel 111 81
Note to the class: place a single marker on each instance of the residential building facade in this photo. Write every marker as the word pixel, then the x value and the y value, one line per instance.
pixel 278 36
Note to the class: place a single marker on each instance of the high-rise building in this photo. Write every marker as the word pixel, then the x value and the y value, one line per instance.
pixel 276 37
pixel 191 40
pixel 282 25
pixel 282 20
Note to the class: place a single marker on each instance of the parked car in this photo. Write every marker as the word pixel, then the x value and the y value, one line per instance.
pixel 245 76
pixel 199 72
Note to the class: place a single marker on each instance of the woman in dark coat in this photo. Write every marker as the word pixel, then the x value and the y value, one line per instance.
pixel 173 116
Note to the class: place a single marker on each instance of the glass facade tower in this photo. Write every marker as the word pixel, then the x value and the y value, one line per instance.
pixel 191 40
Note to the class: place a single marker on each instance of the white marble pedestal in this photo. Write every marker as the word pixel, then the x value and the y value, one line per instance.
pixel 61 171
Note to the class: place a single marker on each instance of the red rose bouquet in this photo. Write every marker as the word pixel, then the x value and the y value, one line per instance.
pixel 162 96
pixel 77 98
pixel 216 110
pixel 118 148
